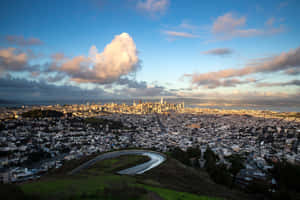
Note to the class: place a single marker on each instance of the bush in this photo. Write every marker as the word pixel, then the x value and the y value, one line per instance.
pixel 218 173
pixel 287 175
pixel 236 164
pixel 193 152
pixel 14 192
pixel 180 155
pixel 2 126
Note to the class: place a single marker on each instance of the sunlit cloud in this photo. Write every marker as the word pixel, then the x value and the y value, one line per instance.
pixel 282 62
pixel 118 59
pixel 12 60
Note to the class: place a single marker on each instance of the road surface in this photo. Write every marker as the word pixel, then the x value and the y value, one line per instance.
pixel 155 160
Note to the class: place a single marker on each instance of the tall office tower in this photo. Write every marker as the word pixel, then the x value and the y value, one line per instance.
pixel 134 104
pixel 162 100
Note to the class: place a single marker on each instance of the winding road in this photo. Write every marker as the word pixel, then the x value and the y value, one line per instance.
pixel 155 160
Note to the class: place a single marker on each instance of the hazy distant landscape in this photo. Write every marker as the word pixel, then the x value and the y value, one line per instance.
pixel 202 103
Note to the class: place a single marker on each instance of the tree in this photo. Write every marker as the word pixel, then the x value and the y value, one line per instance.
pixel 2 126
pixel 180 155
pixel 211 159
pixel 287 175
pixel 237 163
pixel 193 152
pixel 13 192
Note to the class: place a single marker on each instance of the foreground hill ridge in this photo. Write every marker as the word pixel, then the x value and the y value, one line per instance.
pixel 170 180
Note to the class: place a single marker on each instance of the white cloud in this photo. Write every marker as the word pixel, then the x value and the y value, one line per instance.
pixel 153 6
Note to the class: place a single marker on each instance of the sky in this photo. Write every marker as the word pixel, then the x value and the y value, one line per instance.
pixel 118 49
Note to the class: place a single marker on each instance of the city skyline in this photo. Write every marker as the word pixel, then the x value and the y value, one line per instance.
pixel 135 49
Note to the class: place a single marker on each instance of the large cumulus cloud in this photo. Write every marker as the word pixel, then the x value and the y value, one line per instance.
pixel 119 58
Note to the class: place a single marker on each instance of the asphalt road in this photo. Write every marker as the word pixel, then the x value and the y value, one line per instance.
pixel 155 160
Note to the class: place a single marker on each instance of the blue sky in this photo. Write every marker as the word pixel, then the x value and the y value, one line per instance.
pixel 169 48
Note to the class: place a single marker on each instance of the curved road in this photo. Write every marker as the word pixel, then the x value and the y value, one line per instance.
pixel 155 160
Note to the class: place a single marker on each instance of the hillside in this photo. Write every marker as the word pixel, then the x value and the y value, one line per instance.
pixel 171 180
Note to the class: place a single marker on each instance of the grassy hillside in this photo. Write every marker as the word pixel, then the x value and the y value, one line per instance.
pixel 170 181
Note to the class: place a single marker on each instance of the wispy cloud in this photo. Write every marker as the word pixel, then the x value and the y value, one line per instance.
pixel 283 4
pixel 58 56
pixel 186 25
pixel 283 62
pixel 229 26
pixel 256 97
pixel 149 91
pixel 270 21
pixel 153 7
pixel 176 34
pixel 293 71
pixel 21 41
pixel 280 84
pixel 218 52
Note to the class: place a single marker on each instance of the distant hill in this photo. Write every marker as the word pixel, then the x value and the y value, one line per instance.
pixel 2 101
pixel 42 113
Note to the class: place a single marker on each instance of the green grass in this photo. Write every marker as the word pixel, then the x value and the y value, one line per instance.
pixel 101 182
pixel 86 184
pixel 174 195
